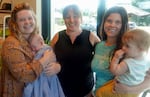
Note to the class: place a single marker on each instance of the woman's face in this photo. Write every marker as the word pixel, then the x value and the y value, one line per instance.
pixel 72 21
pixel 25 21
pixel 112 25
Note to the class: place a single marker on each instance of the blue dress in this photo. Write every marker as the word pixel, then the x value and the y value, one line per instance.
pixel 44 86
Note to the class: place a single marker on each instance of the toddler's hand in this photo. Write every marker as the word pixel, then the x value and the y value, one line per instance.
pixel 119 54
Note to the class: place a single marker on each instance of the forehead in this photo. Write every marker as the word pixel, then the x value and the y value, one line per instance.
pixel 71 10
pixel 115 16
pixel 24 13
pixel 35 38
pixel 35 42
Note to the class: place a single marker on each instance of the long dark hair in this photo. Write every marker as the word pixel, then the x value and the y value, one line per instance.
pixel 124 28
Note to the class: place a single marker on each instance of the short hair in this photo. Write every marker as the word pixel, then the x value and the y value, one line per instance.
pixel 139 37
pixel 72 7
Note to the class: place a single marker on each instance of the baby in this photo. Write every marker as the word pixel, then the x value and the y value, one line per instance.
pixel 44 85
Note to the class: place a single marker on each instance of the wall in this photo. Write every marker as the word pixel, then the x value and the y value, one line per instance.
pixel 36 4
pixel 31 2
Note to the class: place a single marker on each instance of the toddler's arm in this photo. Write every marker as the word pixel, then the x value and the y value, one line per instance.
pixel 118 68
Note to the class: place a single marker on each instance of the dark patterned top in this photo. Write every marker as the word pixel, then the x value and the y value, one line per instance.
pixel 75 58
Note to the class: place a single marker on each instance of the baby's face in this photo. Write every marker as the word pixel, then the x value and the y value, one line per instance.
pixel 36 45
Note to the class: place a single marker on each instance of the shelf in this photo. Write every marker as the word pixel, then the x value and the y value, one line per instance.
pixel 5 11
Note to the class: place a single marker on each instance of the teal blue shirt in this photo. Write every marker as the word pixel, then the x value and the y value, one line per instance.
pixel 100 64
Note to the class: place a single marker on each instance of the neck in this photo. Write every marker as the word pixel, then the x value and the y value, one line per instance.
pixel 110 42
pixel 26 36
pixel 73 33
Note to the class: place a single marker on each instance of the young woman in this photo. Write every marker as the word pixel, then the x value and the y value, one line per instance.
pixel 74 49
pixel 129 64
pixel 115 23
pixel 19 67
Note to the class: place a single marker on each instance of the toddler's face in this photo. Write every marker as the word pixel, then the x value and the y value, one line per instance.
pixel 131 50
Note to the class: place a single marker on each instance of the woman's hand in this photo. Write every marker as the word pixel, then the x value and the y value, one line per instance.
pixel 120 88
pixel 52 69
pixel 47 58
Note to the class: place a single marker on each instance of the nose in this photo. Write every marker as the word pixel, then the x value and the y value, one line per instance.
pixel 113 24
pixel 71 19
pixel 123 48
pixel 27 21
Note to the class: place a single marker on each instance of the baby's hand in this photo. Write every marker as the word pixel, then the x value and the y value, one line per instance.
pixel 33 52
pixel 119 54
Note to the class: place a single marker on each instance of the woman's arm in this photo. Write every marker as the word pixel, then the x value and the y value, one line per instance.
pixel 54 40
pixel 94 38
pixel 55 67
pixel 120 88
pixel 18 59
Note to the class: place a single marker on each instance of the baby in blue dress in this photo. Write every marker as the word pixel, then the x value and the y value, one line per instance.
pixel 44 85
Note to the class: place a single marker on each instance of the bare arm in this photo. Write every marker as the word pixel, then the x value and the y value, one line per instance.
pixel 54 67
pixel 94 38
pixel 120 88
pixel 118 68
pixel 54 40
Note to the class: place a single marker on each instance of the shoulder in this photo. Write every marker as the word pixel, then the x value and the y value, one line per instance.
pixel 56 37
pixel 11 42
pixel 94 39
pixel 54 40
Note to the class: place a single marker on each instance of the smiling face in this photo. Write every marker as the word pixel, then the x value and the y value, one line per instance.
pixel 72 18
pixel 72 21
pixel 25 22
pixel 112 25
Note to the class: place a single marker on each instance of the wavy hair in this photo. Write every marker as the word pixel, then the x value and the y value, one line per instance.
pixel 13 24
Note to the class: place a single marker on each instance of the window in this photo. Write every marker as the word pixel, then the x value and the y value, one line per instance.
pixel 89 14
pixel 139 16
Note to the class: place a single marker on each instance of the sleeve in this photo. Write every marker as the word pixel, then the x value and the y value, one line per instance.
pixel 19 63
